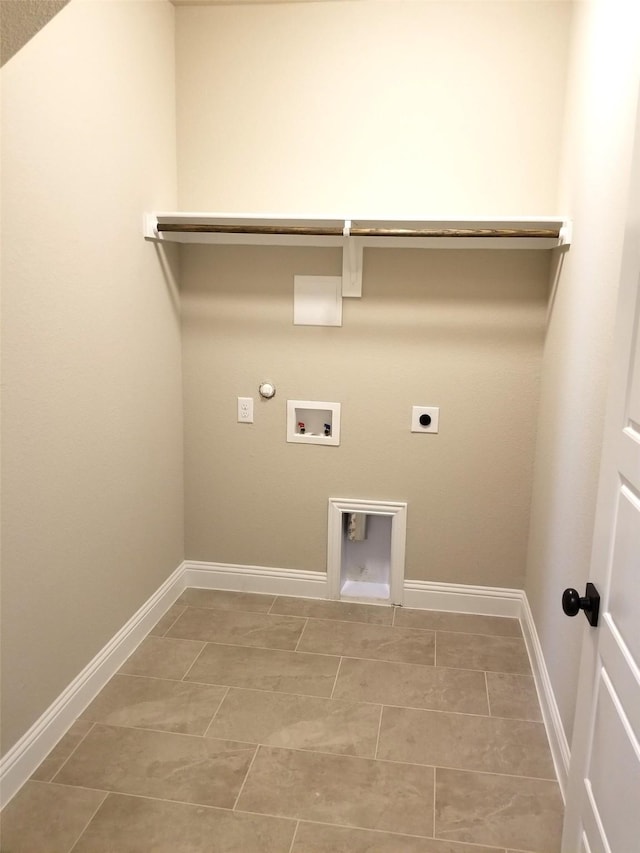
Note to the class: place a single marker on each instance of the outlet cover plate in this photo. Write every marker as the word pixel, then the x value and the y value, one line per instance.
pixel 245 410
pixel 434 414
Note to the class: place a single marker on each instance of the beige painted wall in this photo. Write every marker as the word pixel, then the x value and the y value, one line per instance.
pixel 461 330
pixel 601 102
pixel 385 108
pixel 92 421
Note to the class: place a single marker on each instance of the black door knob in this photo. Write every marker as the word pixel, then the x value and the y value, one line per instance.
pixel 572 603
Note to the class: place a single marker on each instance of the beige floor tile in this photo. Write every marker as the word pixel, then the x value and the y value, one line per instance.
pixel 136 825
pixel 63 749
pixel 159 657
pixel 298 722
pixel 238 628
pixel 153 703
pixel 44 818
pixel 166 621
pixel 376 642
pixel 344 611
pixel 265 669
pixel 475 651
pixel 319 838
pixel 513 696
pixel 465 742
pixel 340 789
pixel 467 623
pixel 412 686
pixel 159 764
pixel 506 811
pixel 223 599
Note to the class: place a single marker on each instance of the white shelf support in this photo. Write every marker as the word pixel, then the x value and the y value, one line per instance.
pixel 352 259
pixel 566 233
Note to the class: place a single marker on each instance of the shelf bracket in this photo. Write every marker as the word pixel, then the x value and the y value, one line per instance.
pixel 566 233
pixel 150 227
pixel 352 255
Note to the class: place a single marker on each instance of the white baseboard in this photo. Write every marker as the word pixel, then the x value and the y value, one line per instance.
pixel 20 762
pixel 550 712
pixel 462 598
pixel 255 579
pixel 33 747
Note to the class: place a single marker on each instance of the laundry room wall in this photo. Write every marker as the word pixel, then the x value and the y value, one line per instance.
pixel 92 512
pixel 376 109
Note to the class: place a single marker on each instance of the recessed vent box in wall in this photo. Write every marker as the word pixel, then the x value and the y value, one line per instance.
pixel 366 549
pixel 312 422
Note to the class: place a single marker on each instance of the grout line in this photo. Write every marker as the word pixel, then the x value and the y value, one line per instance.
pixel 259 648
pixel 260 618
pixel 435 786
pixel 482 848
pixel 391 629
pixel 545 779
pixel 469 633
pixel 337 755
pixel 316 654
pixel 486 687
pixel 306 622
pixel 215 713
pixel 82 739
pixel 184 607
pixel 293 840
pixel 335 681
pixel 244 781
pixel 450 630
pixel 69 785
pixel 149 797
pixel 131 728
pixel 326 618
pixel 375 753
pixel 150 677
pixel 189 668
pixel 86 826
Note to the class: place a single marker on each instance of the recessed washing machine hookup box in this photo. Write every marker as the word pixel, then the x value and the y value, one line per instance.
pixel 313 422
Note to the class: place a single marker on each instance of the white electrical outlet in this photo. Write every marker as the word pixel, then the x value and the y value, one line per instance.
pixel 245 410
pixel 425 418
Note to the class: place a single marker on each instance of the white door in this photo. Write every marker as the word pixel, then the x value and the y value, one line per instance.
pixel 603 795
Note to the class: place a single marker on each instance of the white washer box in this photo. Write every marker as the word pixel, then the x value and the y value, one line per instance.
pixel 321 422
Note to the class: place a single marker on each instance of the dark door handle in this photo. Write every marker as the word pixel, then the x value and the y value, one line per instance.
pixel 572 604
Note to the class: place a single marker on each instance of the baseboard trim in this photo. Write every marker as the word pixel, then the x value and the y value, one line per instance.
pixel 558 742
pixel 255 579
pixel 33 747
pixel 462 598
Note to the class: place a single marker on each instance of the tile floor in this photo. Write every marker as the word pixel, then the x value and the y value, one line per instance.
pixel 260 724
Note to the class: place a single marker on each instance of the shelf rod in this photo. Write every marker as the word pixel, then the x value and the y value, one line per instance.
pixel 455 232
pixel 322 231
pixel 213 228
